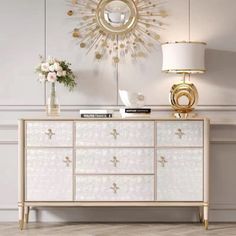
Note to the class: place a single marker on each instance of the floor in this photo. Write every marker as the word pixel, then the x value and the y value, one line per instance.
pixel 72 229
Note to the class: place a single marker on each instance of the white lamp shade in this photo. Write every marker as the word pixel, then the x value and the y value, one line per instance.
pixel 184 57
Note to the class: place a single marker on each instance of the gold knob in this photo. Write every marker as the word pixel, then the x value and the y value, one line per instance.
pixel 67 161
pixel 180 133
pixel 114 133
pixel 163 161
pixel 50 133
pixel 115 161
pixel 115 188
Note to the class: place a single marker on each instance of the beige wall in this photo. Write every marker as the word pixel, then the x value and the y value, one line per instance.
pixel 33 27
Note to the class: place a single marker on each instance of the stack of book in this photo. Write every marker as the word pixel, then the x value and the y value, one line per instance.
pixel 135 112
pixel 95 114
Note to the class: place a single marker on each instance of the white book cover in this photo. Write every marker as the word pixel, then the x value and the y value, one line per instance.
pixel 97 111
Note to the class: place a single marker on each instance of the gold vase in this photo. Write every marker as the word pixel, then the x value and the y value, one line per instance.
pixel 53 107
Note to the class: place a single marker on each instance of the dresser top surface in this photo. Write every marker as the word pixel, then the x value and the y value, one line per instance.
pixel 115 118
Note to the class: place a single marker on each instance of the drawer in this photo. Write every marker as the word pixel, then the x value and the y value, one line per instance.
pixel 114 160
pixel 115 133
pixel 180 133
pixel 49 174
pixel 49 133
pixel 180 174
pixel 115 188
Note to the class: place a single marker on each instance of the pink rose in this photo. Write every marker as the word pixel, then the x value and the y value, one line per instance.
pixel 52 77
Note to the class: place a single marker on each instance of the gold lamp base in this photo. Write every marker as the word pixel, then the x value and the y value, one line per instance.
pixel 185 90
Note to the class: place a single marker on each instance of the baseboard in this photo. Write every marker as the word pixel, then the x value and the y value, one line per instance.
pixel 118 215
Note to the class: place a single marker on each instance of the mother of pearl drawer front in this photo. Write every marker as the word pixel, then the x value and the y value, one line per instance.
pixel 49 133
pixel 115 188
pixel 114 160
pixel 115 133
pixel 180 133
pixel 49 174
pixel 180 174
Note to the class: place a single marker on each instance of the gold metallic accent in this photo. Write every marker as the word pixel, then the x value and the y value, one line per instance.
pixel 50 133
pixel 180 133
pixel 115 161
pixel 163 161
pixel 206 224
pixel 76 33
pixel 187 90
pixel 129 34
pixel 67 161
pixel 115 188
pixel 70 13
pixel 114 133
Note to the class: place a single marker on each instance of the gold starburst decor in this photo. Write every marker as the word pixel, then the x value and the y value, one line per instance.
pixel 116 28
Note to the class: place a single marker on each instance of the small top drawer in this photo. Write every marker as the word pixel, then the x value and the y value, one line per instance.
pixel 180 133
pixel 49 133
pixel 115 133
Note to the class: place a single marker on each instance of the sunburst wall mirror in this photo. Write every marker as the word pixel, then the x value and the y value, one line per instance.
pixel 116 28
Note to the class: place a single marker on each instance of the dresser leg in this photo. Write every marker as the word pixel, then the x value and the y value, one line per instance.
pixel 21 216
pixel 27 210
pixel 200 214
pixel 205 216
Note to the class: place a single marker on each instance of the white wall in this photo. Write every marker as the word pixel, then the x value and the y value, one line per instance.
pixel 33 27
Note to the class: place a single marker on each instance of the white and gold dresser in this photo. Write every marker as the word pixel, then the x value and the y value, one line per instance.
pixel 113 162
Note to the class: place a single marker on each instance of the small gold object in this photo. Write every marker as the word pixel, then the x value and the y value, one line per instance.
pixel 115 161
pixel 50 133
pixel 67 161
pixel 180 133
pixel 115 188
pixel 76 33
pixel 114 133
pixel 70 13
pixel 206 224
pixel 163 161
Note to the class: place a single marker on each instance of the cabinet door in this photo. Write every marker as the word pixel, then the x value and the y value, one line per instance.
pixel 180 174
pixel 49 174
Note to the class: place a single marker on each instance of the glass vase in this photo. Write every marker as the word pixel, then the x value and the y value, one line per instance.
pixel 53 107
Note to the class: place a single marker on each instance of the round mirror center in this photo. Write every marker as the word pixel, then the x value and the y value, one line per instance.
pixel 117 13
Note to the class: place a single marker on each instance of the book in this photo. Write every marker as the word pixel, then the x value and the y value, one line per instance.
pixel 138 110
pixel 109 115
pixel 99 111
pixel 133 114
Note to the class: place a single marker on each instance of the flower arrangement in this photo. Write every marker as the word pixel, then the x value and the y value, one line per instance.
pixel 53 70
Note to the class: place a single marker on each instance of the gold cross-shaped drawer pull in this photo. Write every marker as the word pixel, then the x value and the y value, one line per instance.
pixel 115 188
pixel 180 133
pixel 67 161
pixel 115 161
pixel 50 133
pixel 114 133
pixel 163 161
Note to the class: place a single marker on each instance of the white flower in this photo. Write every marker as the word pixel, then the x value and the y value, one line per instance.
pixel 51 60
pixel 52 68
pixel 52 77
pixel 57 66
pixel 64 73
pixel 59 73
pixel 45 67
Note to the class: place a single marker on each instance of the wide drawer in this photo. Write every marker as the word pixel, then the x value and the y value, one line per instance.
pixel 115 133
pixel 180 174
pixel 49 133
pixel 180 133
pixel 49 174
pixel 114 160
pixel 115 188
